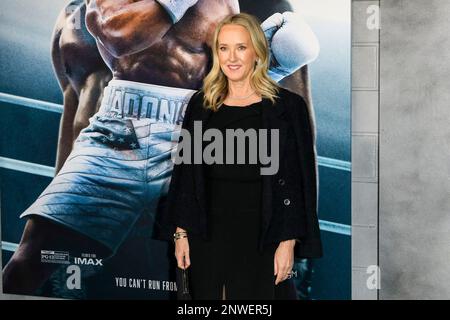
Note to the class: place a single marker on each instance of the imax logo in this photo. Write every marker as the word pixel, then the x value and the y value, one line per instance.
pixel 88 261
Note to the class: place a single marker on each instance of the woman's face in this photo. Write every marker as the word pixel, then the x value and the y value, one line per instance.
pixel 237 55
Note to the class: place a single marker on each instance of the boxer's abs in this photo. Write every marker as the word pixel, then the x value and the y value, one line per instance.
pixel 178 68
pixel 181 57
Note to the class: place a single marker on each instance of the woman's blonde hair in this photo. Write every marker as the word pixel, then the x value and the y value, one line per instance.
pixel 215 84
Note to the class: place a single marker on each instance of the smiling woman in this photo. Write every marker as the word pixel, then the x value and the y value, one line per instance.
pixel 240 64
pixel 237 56
pixel 234 229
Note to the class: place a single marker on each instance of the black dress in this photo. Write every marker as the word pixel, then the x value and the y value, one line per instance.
pixel 230 258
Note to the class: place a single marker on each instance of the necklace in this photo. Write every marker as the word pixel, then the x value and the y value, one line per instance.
pixel 241 98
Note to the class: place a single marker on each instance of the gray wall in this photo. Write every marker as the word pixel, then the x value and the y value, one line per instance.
pixel 401 150
pixel 365 104
pixel 414 220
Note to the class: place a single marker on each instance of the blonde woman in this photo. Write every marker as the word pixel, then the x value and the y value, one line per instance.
pixel 235 229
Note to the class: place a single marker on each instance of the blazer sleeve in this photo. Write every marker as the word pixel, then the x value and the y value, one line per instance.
pixel 181 188
pixel 309 246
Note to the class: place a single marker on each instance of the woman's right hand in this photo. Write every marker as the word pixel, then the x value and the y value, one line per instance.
pixel 182 253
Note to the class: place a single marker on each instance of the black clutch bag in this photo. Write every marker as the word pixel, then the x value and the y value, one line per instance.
pixel 183 292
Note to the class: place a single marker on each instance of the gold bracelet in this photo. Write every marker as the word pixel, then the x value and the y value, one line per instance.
pixel 179 235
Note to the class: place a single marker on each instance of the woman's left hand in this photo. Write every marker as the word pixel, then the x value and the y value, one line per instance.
pixel 284 260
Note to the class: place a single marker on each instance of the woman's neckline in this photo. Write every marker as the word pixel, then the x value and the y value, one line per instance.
pixel 249 105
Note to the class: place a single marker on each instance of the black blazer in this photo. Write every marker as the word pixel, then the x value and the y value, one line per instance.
pixel 289 198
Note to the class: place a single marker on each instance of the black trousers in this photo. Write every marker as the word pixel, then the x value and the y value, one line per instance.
pixel 230 259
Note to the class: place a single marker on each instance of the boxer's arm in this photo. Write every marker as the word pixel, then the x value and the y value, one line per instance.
pixel 70 99
pixel 65 136
pixel 90 98
pixel 125 26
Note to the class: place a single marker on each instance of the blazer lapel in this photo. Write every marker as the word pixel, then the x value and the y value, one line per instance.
pixel 272 118
pixel 199 177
